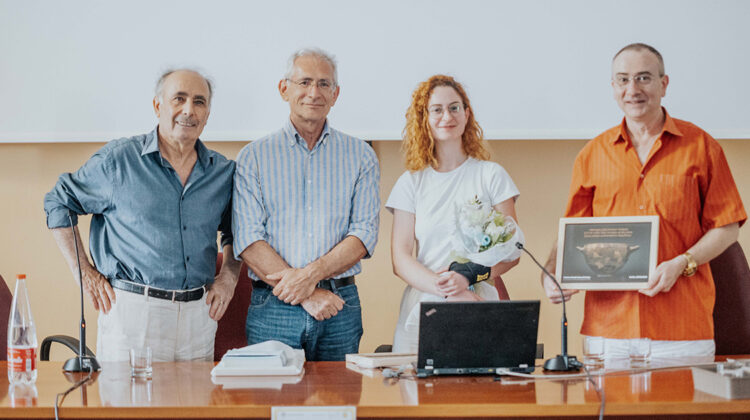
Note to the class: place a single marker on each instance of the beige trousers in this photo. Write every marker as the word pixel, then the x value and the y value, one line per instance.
pixel 175 331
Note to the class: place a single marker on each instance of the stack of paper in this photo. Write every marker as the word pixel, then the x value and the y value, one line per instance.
pixel 269 358
pixel 376 360
pixel 242 358
pixel 256 382
pixel 707 379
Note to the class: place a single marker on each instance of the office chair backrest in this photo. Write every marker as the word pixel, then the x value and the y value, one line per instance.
pixel 732 308
pixel 6 298
pixel 230 333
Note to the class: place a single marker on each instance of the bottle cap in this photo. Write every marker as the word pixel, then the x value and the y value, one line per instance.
pixel 21 276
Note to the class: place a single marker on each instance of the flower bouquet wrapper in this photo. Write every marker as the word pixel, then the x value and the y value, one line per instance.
pixel 484 236
pixel 500 252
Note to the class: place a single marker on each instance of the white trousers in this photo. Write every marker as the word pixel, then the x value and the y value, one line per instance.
pixel 175 331
pixel 615 348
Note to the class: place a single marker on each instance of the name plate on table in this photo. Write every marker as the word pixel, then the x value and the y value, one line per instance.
pixel 607 253
pixel 314 413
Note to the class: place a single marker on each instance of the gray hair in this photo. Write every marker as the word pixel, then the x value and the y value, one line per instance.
pixel 166 74
pixel 315 52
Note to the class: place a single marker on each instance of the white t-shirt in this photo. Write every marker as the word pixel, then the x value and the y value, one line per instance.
pixel 432 197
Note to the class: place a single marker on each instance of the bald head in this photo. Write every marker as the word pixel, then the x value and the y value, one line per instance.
pixel 639 46
pixel 159 90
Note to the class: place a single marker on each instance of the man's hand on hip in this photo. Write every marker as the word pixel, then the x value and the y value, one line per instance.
pixel 665 276
pixel 220 294
pixel 322 304
pixel 98 289
pixel 294 285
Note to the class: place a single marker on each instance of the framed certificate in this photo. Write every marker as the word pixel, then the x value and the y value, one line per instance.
pixel 607 253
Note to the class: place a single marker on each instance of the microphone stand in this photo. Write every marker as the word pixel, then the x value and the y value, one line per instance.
pixel 81 363
pixel 563 362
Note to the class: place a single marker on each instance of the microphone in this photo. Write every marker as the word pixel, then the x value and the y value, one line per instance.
pixel 563 362
pixel 81 363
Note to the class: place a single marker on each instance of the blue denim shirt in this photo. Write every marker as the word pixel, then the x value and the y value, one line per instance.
pixel 145 226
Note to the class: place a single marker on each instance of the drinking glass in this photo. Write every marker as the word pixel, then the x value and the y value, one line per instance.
pixel 140 362
pixel 639 351
pixel 593 351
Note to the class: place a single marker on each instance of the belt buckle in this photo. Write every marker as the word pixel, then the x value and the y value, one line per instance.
pixel 332 285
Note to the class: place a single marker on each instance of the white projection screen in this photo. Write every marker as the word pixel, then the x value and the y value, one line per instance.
pixel 540 69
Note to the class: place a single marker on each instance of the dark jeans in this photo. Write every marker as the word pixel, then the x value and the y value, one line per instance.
pixel 271 319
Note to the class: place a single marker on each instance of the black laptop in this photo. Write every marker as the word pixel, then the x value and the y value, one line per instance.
pixel 471 338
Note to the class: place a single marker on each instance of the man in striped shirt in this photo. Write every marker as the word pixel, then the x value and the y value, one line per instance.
pixel 653 164
pixel 305 212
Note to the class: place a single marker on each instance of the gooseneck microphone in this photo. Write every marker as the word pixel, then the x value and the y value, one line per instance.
pixel 81 363
pixel 563 362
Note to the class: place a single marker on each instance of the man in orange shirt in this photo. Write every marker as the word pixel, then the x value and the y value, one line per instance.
pixel 653 164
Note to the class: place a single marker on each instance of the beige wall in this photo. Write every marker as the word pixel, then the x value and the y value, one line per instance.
pixel 541 169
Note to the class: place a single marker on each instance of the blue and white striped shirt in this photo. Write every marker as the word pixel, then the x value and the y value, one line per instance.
pixel 304 202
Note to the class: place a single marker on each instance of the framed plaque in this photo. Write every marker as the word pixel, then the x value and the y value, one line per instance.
pixel 607 253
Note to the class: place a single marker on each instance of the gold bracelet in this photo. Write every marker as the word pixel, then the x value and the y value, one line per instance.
pixel 692 265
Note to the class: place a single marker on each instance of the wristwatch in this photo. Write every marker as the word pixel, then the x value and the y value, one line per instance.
pixel 692 265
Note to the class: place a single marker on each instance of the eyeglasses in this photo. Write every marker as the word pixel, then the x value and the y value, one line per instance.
pixel 436 111
pixel 640 80
pixel 322 84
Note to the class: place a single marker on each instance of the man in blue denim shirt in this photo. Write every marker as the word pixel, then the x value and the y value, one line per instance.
pixel 157 201
pixel 305 213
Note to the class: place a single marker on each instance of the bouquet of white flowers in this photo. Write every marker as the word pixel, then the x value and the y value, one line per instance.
pixel 484 236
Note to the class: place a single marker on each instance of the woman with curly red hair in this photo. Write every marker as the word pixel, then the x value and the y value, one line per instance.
pixel 447 166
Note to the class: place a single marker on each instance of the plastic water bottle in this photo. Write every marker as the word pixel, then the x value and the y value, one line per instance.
pixel 22 344
pixel 22 395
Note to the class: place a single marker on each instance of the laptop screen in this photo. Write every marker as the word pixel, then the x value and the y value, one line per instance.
pixel 477 337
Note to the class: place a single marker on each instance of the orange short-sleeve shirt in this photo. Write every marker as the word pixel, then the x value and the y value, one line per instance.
pixel 687 183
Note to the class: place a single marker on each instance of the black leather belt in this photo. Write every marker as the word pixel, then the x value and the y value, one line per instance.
pixel 327 284
pixel 173 295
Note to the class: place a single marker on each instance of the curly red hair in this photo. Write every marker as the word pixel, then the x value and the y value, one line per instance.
pixel 418 144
